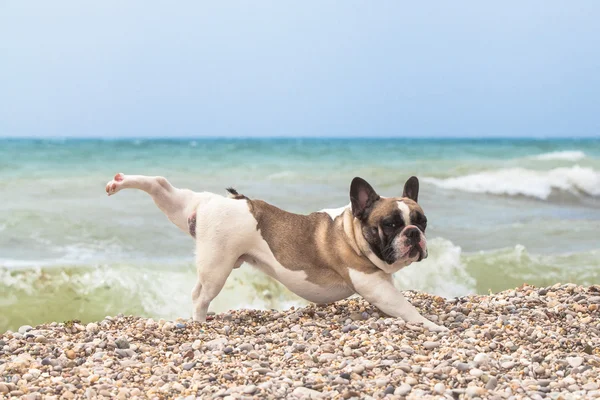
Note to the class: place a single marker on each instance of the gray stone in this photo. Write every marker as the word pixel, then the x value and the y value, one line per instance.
pixel 404 367
pixel 462 367
pixel 439 388
pixel 250 389
pixel 492 383
pixel 507 364
pixel 431 345
pixel 382 382
pixel 24 329
pixel 573 388
pixel 49 361
pixel 358 369
pixel 124 353
pixel 188 366
pixel 403 389
pixel 575 362
pixel 262 370
pixel 122 343
pixel 245 347
pixel 303 392
pixel 325 357
pixel 216 344
pixel 481 359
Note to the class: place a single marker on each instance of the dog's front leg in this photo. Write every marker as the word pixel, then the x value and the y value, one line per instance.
pixel 378 289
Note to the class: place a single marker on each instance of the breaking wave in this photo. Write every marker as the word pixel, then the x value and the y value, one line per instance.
pixel 157 290
pixel 567 155
pixel 526 182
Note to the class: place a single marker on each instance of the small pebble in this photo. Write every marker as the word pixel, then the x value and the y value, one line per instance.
pixel 481 359
pixel 403 389
pixel 251 389
pixel 492 383
pixel 24 329
pixel 439 388
pixel 431 345
pixel 122 343
pixel 575 361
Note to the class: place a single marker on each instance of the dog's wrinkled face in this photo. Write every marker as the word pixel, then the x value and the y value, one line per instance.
pixel 394 227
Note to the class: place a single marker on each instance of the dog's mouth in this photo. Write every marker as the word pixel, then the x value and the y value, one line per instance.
pixel 417 250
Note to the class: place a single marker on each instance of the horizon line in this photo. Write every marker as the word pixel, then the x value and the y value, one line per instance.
pixel 117 138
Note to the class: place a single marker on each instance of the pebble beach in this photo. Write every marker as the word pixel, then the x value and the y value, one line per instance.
pixel 524 343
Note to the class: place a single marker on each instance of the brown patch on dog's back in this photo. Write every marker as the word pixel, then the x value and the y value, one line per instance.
pixel 311 243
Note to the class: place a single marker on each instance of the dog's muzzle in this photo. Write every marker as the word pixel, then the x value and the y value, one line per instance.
pixel 414 241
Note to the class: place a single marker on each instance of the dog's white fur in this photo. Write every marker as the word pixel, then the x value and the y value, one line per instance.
pixel 222 247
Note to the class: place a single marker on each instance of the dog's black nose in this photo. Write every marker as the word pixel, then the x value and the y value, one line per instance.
pixel 413 235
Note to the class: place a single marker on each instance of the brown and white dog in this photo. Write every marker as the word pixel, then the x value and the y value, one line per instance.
pixel 323 257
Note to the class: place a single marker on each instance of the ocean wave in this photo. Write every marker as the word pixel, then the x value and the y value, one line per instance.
pixel 90 292
pixel 442 272
pixel 497 270
pixel 566 155
pixel 161 290
pixel 526 182
pixel 282 175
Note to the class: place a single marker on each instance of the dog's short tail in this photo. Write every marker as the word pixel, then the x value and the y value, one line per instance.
pixel 233 194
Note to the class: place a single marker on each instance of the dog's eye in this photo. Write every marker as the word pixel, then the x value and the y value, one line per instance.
pixel 390 224
pixel 422 224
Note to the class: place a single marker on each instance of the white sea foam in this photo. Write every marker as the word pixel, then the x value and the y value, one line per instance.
pixel 283 175
pixel 441 273
pixel 567 155
pixel 164 291
pixel 525 182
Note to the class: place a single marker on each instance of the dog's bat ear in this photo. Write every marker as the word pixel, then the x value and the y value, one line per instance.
pixel 411 188
pixel 362 197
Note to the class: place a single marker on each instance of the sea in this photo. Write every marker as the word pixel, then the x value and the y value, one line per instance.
pixel 501 212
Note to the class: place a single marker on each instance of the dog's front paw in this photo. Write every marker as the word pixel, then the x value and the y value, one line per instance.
pixel 435 328
pixel 114 186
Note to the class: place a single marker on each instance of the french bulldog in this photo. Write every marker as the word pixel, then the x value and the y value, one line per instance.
pixel 322 257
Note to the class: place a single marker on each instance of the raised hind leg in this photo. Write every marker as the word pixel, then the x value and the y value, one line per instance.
pixel 177 204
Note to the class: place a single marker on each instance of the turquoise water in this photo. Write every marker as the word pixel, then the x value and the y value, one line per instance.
pixel 501 213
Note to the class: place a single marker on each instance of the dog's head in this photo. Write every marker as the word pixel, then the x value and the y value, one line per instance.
pixel 393 227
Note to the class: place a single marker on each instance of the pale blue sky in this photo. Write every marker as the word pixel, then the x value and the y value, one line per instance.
pixel 305 68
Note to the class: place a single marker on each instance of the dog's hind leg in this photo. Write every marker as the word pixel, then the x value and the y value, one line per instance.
pixel 177 204
pixel 213 269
